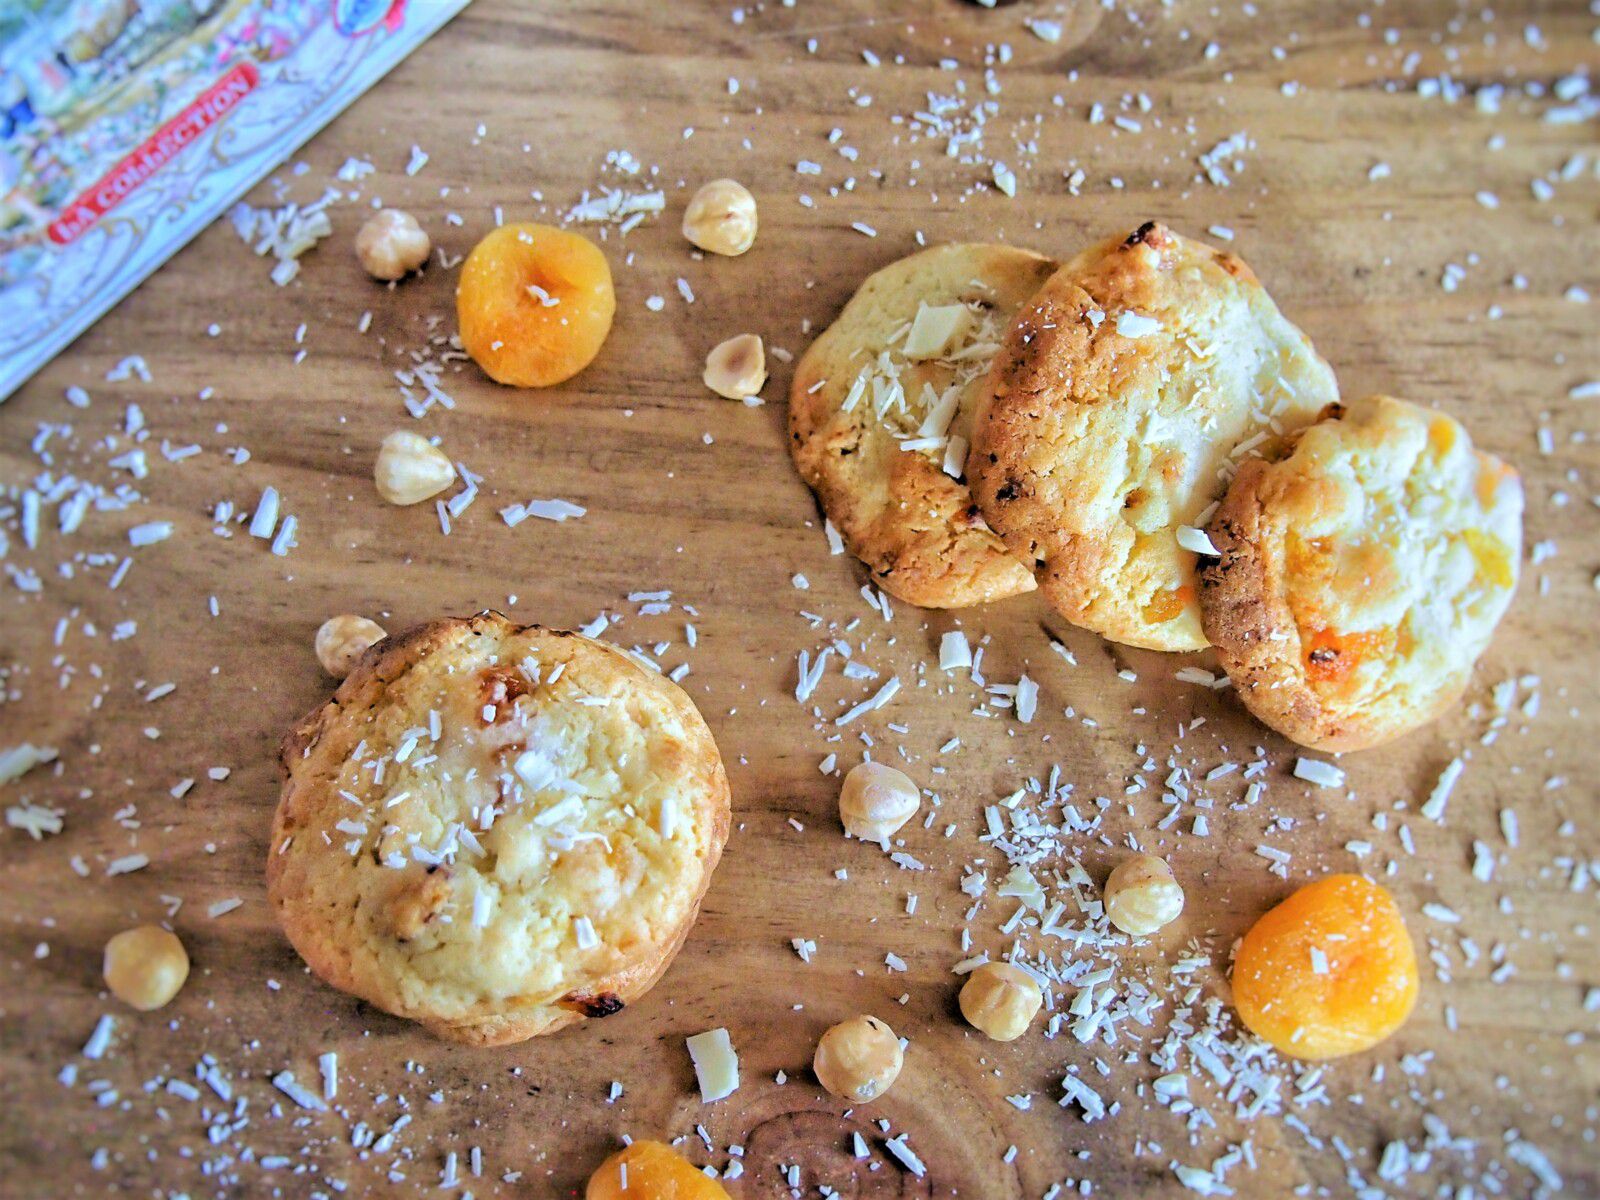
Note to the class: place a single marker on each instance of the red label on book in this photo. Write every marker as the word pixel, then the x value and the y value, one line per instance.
pixel 117 184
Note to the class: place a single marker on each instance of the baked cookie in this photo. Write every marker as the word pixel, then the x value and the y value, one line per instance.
pixel 1126 393
pixel 496 829
pixel 1362 576
pixel 880 412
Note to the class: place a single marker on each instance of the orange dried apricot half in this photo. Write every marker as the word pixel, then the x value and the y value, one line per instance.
pixel 651 1171
pixel 534 304
pixel 1329 971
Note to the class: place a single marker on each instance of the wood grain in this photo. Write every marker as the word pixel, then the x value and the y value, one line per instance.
pixel 693 494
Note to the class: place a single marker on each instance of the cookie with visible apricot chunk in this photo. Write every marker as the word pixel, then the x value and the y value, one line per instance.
pixel 1124 395
pixel 1360 577
pixel 534 304
pixel 1330 971
pixel 496 830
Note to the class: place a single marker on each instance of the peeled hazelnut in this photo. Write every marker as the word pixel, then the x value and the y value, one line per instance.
pixel 876 800
pixel 391 244
pixel 1142 895
pixel 343 639
pixel 721 217
pixel 737 367
pixel 145 967
pixel 410 468
pixel 858 1059
pixel 999 999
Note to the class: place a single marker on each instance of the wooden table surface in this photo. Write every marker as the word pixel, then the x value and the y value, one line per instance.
pixel 1392 216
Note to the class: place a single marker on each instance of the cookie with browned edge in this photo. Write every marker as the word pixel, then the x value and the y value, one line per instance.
pixel 1360 577
pixel 880 412
pixel 1126 394
pixel 495 829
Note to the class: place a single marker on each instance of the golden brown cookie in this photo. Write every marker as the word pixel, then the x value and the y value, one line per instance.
pixel 1126 393
pixel 496 829
pixel 1362 576
pixel 879 416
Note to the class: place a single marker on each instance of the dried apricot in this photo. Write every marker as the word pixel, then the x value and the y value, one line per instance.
pixel 651 1171
pixel 1163 606
pixel 1329 971
pixel 1332 656
pixel 534 304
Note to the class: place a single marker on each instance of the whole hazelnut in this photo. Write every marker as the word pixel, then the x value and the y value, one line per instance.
pixel 145 967
pixel 876 800
pixel 343 639
pixel 858 1059
pixel 391 244
pixel 736 368
pixel 1000 1000
pixel 410 469
pixel 1142 895
pixel 721 217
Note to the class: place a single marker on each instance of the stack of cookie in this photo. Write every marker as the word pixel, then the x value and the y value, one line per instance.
pixel 1143 435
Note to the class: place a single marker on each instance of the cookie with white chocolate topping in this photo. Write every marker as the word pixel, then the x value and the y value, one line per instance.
pixel 496 830
pixel 1360 577
pixel 880 412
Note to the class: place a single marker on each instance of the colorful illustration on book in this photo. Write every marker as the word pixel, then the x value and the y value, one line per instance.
pixel 126 126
